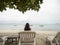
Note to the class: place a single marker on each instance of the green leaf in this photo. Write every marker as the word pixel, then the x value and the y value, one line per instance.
pixel 32 1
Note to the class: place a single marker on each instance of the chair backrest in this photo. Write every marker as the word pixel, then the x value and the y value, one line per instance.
pixel 27 36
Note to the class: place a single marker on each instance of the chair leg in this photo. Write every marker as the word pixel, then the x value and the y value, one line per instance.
pixel 19 43
pixel 35 41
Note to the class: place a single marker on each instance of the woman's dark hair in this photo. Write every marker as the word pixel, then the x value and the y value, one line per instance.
pixel 27 27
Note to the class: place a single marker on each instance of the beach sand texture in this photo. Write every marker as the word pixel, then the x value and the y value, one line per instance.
pixel 40 35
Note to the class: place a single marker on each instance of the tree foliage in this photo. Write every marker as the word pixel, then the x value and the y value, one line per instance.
pixel 21 5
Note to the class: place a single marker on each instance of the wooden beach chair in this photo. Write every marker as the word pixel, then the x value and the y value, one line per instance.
pixel 57 39
pixel 27 37
pixel 50 39
pixel 1 41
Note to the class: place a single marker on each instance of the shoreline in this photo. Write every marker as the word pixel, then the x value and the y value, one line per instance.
pixel 38 31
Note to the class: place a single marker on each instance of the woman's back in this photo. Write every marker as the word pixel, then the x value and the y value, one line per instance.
pixel 27 27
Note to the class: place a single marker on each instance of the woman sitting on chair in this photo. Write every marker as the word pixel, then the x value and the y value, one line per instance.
pixel 27 27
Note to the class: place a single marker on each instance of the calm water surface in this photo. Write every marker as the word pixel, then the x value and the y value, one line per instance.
pixel 33 27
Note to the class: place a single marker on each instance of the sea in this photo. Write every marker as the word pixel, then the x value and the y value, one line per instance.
pixel 34 27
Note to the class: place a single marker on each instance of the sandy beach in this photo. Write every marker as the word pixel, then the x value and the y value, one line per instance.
pixel 40 35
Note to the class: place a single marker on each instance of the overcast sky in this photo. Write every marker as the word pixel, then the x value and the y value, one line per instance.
pixel 48 13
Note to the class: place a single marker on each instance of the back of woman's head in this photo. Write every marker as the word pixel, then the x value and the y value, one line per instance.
pixel 27 27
